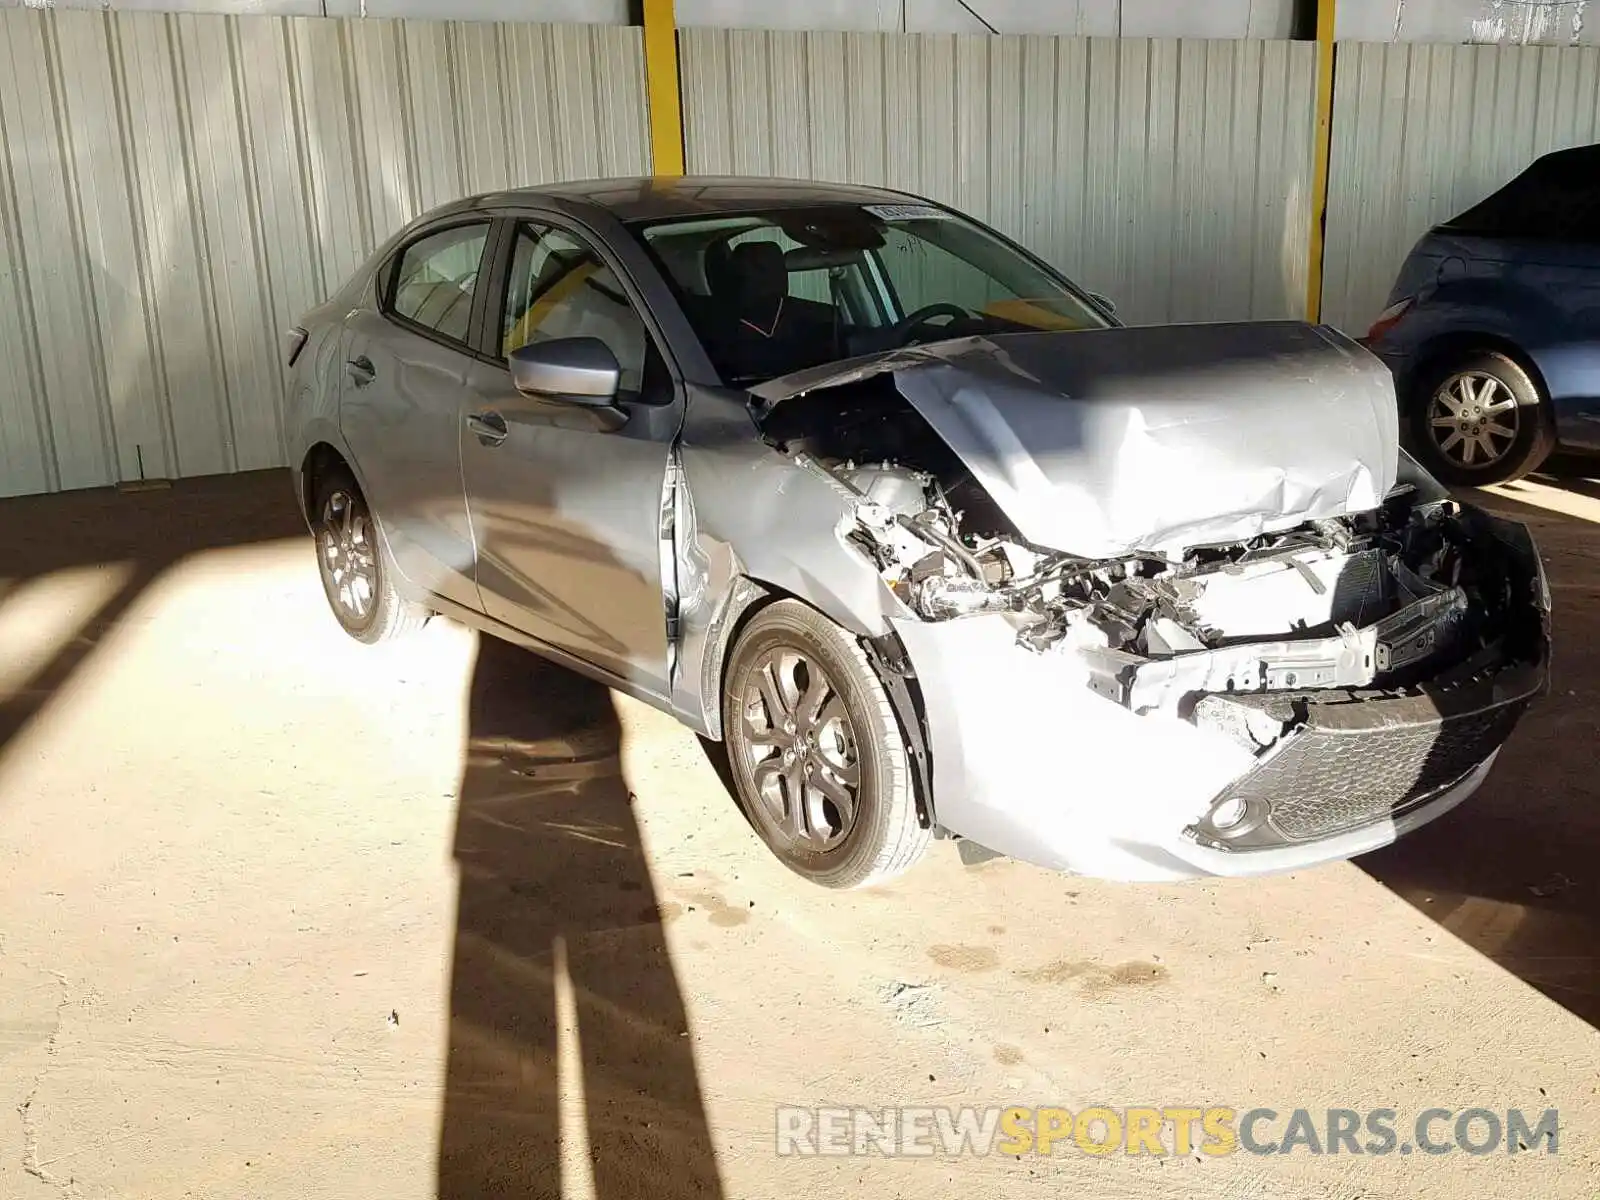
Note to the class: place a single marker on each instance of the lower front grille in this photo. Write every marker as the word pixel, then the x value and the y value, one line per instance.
pixel 1355 763
pixel 1326 781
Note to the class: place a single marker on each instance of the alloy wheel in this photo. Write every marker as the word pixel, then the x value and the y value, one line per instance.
pixel 1473 419
pixel 801 757
pixel 349 556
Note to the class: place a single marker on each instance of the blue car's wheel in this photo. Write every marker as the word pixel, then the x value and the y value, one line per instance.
pixel 1479 418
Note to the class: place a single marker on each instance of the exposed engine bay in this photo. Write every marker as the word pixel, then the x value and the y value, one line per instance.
pixel 1242 638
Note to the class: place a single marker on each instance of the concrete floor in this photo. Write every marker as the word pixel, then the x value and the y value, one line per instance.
pixel 285 916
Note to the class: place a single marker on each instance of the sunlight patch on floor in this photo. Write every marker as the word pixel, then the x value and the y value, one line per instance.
pixel 1564 500
pixel 39 617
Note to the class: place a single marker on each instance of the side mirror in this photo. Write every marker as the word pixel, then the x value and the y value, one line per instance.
pixel 580 370
pixel 1104 302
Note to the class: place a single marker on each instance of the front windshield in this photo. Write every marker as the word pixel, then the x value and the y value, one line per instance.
pixel 770 293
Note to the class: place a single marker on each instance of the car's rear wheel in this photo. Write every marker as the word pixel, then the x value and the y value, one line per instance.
pixel 1480 417
pixel 356 577
pixel 817 755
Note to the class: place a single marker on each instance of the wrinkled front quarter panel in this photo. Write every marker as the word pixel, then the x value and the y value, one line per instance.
pixel 751 522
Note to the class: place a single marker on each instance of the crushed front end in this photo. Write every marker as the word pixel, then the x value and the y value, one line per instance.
pixel 1369 665
pixel 1176 604
pixel 1282 701
pixel 1362 672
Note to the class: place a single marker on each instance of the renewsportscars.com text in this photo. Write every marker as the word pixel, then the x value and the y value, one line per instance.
pixel 1167 1130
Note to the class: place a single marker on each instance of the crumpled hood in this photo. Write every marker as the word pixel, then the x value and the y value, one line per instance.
pixel 1105 443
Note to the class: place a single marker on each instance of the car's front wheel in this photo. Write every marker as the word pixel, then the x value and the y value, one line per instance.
pixel 1479 418
pixel 356 576
pixel 817 755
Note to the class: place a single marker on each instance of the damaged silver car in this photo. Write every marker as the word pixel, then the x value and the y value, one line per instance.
pixel 909 523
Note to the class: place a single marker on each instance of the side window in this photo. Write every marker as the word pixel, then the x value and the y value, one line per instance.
pixel 559 288
pixel 436 277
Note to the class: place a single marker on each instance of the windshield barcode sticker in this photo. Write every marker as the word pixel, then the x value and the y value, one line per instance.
pixel 907 212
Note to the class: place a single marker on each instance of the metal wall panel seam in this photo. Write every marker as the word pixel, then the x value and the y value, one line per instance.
pixel 99 391
pixel 139 223
pixel 302 152
pixel 268 336
pixel 22 285
pixel 200 232
pixel 133 394
pixel 354 121
pixel 266 283
pixel 88 200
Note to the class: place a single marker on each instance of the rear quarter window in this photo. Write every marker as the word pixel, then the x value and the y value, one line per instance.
pixel 433 280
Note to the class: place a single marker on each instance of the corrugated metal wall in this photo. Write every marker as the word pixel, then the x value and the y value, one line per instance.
pixel 1421 132
pixel 1079 18
pixel 180 188
pixel 1175 176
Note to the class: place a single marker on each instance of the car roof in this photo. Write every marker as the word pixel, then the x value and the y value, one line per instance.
pixel 1573 157
pixel 1555 195
pixel 647 198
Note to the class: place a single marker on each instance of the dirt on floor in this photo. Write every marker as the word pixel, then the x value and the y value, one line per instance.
pixel 286 916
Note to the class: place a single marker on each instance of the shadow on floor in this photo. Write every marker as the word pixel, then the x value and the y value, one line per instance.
pixel 569 1058
pixel 1515 871
pixel 567 1052
pixel 560 941
pixel 151 531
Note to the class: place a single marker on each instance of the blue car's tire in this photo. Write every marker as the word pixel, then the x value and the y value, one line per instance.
pixel 1480 417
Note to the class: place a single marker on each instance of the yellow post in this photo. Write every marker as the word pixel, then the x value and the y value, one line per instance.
pixel 661 76
pixel 1324 151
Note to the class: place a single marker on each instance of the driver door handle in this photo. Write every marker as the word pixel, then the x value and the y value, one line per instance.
pixel 488 427
pixel 361 371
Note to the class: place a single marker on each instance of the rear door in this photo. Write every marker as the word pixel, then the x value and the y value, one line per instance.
pixel 405 376
pixel 568 512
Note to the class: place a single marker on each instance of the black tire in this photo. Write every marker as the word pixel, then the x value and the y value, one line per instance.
pixel 386 614
pixel 884 836
pixel 1441 447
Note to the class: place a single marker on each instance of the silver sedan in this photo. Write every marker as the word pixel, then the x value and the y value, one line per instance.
pixel 934 545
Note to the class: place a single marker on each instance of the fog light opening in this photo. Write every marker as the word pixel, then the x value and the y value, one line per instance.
pixel 1228 813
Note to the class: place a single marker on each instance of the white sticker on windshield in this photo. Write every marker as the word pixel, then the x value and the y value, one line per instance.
pixel 907 212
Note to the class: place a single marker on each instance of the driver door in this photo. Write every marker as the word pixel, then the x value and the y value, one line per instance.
pixel 567 512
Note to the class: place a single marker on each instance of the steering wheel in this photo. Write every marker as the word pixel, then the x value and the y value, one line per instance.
pixel 912 322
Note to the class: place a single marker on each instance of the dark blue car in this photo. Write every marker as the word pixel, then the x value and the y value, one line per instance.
pixel 1493 327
